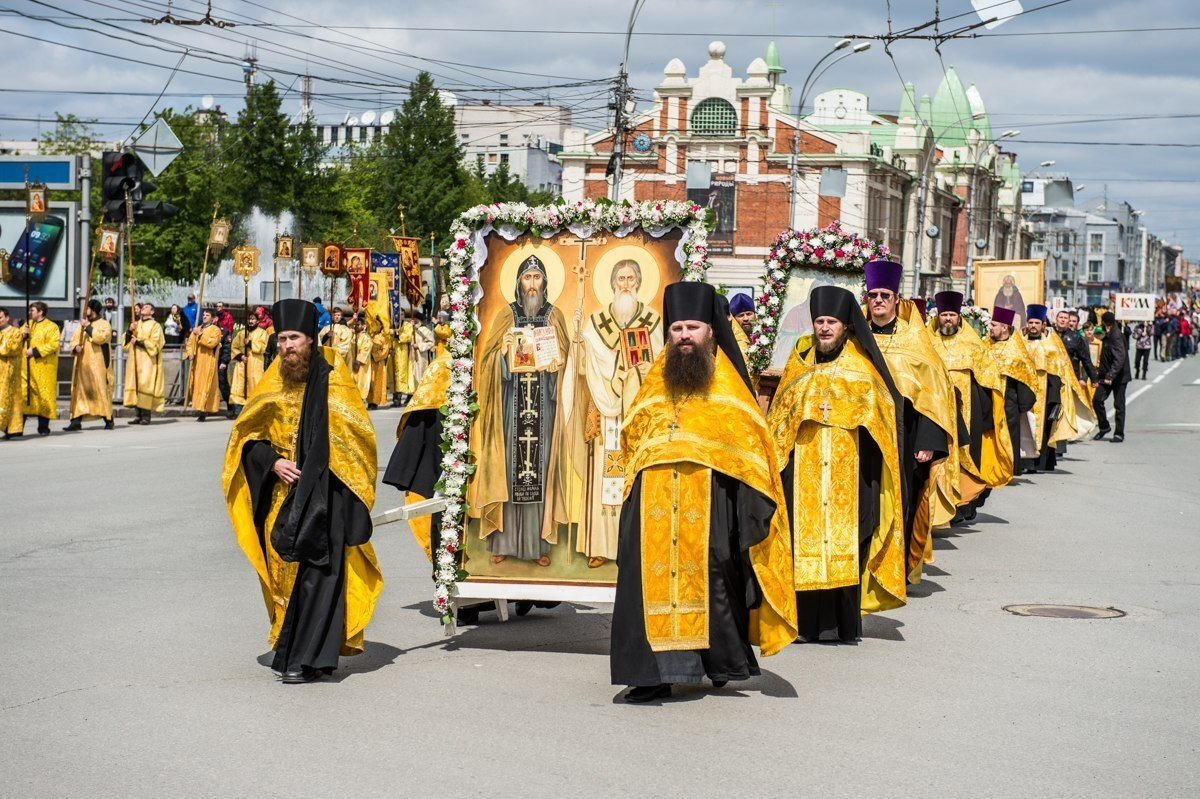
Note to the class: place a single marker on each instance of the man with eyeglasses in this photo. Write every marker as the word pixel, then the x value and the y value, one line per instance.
pixel 929 461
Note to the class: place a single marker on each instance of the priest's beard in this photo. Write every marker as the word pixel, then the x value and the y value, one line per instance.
pixel 532 302
pixel 293 366
pixel 949 328
pixel 690 372
pixel 624 306
pixel 834 344
pixel 1032 336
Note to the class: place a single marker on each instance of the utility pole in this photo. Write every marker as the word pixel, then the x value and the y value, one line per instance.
pixel 619 103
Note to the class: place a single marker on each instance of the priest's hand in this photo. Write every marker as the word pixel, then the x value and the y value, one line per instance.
pixel 286 471
pixel 924 456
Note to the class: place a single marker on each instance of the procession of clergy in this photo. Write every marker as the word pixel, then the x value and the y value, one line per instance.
pixel 737 528
pixel 386 364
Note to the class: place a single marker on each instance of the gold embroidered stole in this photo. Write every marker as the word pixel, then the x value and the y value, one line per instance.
pixel 676 516
pixel 825 508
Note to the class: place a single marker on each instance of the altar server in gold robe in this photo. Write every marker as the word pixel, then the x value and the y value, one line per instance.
pixel 12 383
pixel 1016 366
pixel 928 448
pixel 704 552
pixel 337 334
pixel 204 350
pixel 91 387
pixel 381 350
pixel 985 453
pixel 145 385
pixel 1065 413
pixel 834 422
pixel 360 356
pixel 42 338
pixel 299 482
pixel 404 373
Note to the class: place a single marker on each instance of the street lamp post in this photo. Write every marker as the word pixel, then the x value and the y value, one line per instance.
pixel 809 82
pixel 973 243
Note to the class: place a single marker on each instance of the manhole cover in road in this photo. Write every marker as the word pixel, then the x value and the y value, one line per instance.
pixel 1065 611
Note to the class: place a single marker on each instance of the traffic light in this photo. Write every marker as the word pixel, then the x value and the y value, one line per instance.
pixel 125 172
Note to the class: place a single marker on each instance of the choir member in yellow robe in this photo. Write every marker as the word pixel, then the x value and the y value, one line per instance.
pixel 403 372
pixel 985 453
pixel 928 446
pixel 742 315
pixel 381 350
pixel 422 348
pixel 91 385
pixel 42 338
pixel 144 380
pixel 204 350
pixel 1065 413
pixel 704 551
pixel 239 385
pixel 834 421
pixel 360 357
pixel 337 334
pixel 1015 365
pixel 261 333
pixel 299 483
pixel 12 381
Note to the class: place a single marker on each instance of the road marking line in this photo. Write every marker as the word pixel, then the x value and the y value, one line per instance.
pixel 1137 394
pixel 1196 382
pixel 1158 379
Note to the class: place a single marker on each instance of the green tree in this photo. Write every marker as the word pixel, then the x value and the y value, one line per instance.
pixel 259 159
pixel 421 164
pixel 316 201
pixel 70 136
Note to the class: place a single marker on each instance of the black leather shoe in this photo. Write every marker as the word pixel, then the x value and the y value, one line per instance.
pixel 297 677
pixel 10 436
pixel 201 417
pixel 1100 435
pixel 43 432
pixel 648 693
pixel 73 427
pixel 108 424
pixel 1118 439
pixel 720 683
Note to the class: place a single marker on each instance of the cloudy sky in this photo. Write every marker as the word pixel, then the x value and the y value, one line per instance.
pixel 1071 76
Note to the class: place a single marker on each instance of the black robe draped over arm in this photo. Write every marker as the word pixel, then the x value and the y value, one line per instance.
pixel 416 462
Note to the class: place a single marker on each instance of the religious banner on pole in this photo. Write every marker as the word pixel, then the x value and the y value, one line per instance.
pixel 408 248
pixel 357 261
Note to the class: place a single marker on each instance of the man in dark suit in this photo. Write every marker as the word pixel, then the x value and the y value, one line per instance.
pixel 1114 376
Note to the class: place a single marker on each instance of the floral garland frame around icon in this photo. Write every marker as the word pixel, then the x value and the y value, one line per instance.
pixel 977 317
pixel 832 248
pixel 465 256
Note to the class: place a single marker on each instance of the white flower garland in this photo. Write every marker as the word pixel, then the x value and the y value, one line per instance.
pixel 831 248
pixel 977 317
pixel 465 256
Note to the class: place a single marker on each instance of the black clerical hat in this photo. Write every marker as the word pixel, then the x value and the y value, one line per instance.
pixel 298 315
pixel 692 300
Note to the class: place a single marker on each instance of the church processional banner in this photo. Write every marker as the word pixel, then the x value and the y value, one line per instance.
pixel 556 314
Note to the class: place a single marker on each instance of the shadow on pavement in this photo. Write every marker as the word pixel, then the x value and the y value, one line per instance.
pixel 562 629
pixel 882 628
pixel 925 588
pixel 768 684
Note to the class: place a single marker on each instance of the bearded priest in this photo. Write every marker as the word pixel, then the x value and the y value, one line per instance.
pixel 1011 357
pixel 299 482
pixel 928 436
pixel 985 453
pixel 704 552
pixel 834 424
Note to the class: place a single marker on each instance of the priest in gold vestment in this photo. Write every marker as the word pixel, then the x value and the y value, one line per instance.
pixel 91 387
pixel 203 350
pixel 1016 367
pixel 404 362
pixel 12 384
pixel 985 453
pixel 299 482
pixel 338 335
pixel 704 552
pixel 42 338
pixel 145 384
pixel 834 422
pixel 360 357
pixel 928 449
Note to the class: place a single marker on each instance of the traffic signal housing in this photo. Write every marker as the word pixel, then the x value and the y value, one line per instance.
pixel 124 172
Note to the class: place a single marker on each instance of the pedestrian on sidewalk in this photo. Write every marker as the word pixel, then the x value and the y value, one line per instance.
pixel 1142 338
pixel 1114 377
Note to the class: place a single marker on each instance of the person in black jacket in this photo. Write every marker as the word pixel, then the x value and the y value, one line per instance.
pixel 1114 377
pixel 1077 347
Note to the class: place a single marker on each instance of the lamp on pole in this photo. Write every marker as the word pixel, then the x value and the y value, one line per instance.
pixel 622 97
pixel 806 87
pixel 921 184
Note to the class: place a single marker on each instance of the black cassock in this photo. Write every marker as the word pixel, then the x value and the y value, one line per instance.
pixel 416 462
pixel 318 520
pixel 837 611
pixel 740 518
pixel 1018 399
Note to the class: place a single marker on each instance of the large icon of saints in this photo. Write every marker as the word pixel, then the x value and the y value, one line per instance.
pixel 518 494
pixel 620 342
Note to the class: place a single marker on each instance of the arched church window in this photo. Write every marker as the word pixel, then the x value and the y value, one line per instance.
pixel 714 117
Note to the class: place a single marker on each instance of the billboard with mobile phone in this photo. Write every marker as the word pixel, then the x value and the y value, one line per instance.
pixel 40 256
